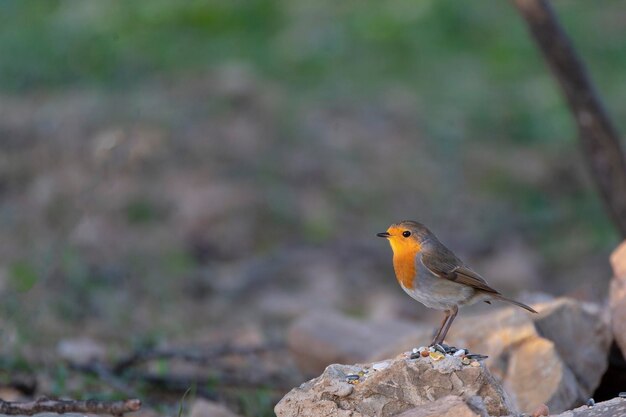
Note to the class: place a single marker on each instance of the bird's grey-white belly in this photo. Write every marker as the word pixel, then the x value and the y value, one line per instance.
pixel 436 292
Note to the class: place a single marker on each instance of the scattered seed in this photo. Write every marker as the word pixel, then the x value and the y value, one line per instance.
pixel 361 373
pixel 465 361
pixel 475 364
pixel 591 402
pixel 425 353
pixel 379 366
pixel 436 356
pixel 459 353
pixel 477 356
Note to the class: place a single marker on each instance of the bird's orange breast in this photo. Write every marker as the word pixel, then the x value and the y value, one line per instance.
pixel 404 251
pixel 404 266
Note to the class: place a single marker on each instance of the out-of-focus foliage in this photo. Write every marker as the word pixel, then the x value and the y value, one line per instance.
pixel 468 61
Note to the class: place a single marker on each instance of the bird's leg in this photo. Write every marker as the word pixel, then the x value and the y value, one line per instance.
pixel 447 325
pixel 443 324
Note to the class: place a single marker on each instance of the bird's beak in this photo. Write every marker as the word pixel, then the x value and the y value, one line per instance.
pixel 383 234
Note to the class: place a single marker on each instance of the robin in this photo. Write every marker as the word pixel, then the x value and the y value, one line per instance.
pixel 432 274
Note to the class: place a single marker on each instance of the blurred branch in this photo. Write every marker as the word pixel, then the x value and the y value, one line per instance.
pixel 598 136
pixel 44 405
pixel 173 382
pixel 201 357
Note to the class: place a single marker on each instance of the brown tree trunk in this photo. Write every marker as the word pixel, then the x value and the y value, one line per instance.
pixel 598 136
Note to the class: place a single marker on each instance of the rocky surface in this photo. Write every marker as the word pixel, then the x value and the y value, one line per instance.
pixel 618 296
pixel 398 385
pixel 612 408
pixel 556 357
pixel 449 406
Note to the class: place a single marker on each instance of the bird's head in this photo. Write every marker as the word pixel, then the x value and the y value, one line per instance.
pixel 407 236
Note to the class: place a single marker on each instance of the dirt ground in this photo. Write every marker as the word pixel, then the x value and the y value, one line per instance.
pixel 141 218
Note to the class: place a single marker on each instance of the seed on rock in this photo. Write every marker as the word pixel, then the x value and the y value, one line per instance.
pixel 379 366
pixel 361 373
pixel 436 356
pixel 477 356
pixel 591 402
pixel 352 378
pixel 475 364
pixel 459 353
pixel 466 361
pixel 425 353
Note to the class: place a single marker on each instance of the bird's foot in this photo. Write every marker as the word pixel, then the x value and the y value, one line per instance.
pixel 446 350
pixel 443 348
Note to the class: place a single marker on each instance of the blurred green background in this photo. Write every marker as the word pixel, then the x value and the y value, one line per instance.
pixel 159 159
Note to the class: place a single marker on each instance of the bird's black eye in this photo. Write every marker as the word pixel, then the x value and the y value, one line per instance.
pixel 406 233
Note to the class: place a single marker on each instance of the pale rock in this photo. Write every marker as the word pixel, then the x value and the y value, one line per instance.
pixel 81 351
pixel 536 373
pixel 403 385
pixel 450 406
pixel 581 336
pixel 615 407
pixel 319 339
pixel 204 408
pixel 541 411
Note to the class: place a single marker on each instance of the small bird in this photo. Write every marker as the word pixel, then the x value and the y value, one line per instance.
pixel 432 274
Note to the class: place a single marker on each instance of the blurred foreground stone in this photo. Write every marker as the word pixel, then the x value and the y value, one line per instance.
pixel 556 357
pixel 394 386
pixel 81 351
pixel 319 339
pixel 205 408
pixel 618 296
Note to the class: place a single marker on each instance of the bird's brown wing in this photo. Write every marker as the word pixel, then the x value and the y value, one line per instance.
pixel 444 264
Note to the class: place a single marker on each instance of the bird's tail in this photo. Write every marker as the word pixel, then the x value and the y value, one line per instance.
pixel 517 303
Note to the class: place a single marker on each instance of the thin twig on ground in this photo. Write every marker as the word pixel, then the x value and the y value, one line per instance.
pixel 45 405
